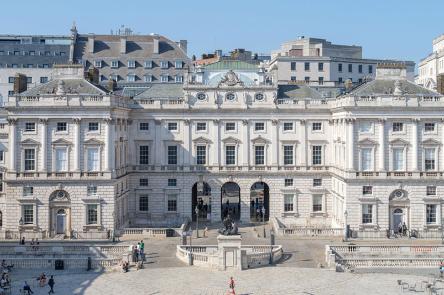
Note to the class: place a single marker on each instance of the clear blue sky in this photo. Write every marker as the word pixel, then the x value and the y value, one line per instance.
pixel 401 29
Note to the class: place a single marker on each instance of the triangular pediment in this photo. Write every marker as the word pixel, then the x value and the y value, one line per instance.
pixel 202 139
pixel 431 141
pixel 231 139
pixel 93 141
pixel 367 141
pixel 260 139
pixel 61 141
pixel 30 141
pixel 399 141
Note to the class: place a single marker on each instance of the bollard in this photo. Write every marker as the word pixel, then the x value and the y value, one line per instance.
pixel 190 258
pixel 89 263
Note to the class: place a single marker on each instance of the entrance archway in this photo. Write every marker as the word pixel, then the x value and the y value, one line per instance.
pixel 201 198
pixel 259 202
pixel 399 209
pixel 60 213
pixel 230 200
pixel 61 221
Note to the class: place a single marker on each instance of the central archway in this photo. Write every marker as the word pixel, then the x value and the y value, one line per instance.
pixel 60 213
pixel 201 198
pixel 259 202
pixel 230 200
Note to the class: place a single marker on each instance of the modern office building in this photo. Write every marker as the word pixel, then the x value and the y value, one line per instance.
pixel 321 63
pixel 431 67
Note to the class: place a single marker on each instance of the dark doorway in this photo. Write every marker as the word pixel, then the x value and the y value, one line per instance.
pixel 201 198
pixel 230 200
pixel 259 200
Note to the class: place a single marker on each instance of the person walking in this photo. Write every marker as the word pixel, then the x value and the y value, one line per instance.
pixel 51 284
pixel 27 288
pixel 231 286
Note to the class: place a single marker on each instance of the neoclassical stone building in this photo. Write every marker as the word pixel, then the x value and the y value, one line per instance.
pixel 82 160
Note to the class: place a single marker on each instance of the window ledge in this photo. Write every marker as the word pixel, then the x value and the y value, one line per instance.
pixel 290 214
pixel 318 214
pixel 369 226
pixel 92 227
pixel 434 227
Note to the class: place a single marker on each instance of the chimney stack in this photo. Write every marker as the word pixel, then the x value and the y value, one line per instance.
pixel 20 83
pixel 155 46
pixel 112 84
pixel 123 45
pixel 440 83
pixel 183 44
pixel 91 40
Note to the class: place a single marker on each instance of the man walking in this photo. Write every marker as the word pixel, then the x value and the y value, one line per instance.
pixel 141 250
pixel 51 284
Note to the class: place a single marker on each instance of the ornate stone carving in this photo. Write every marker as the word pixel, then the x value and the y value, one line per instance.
pixel 109 121
pixel 230 79
pixel 245 122
pixel 302 121
pixel 187 122
pixel 216 121
pixel 274 122
pixel 43 121
pixel 398 195
pixel 12 121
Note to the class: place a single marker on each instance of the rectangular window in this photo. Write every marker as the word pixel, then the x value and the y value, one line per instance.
pixel 288 126
pixel 29 126
pixel 148 64
pixel 366 159
pixel 307 79
pixel 397 126
pixel 359 68
pixel 201 126
pixel 144 154
pixel 61 159
pixel 317 203
pixel 61 126
pixel 93 159
pixel 114 64
pixel 370 69
pixel 178 64
pixel 29 80
pixel 143 203
pixel 143 182
pixel 340 80
pixel 172 126
pixel 317 155
pixel 201 155
pixel 28 191
pixel 431 214
pixel 164 64
pixel 316 126
pixel 43 80
pixel 293 78
pixel 429 159
pixel 365 127
pixel 259 126
pixel 230 155
pixel 350 68
pixel 131 78
pixel 321 67
pixel 91 214
pixel 431 190
pixel 148 78
pixel 98 63
pixel 307 66
pixel 93 126
pixel 164 78
pixel 317 182
pixel 259 154
pixel 288 203
pixel 230 126
pixel 172 203
pixel 288 182
pixel 288 154
pixel 367 190
pixel 28 214
pixel 172 182
pixel 293 66
pixel 91 190
pixel 178 79
pixel 321 80
pixel 131 64
pixel 29 159
pixel 144 126
pixel 340 68
pixel 398 159
pixel 367 213
pixel 172 155
pixel 429 127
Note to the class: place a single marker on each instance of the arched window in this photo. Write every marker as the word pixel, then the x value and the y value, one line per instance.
pixel 397 211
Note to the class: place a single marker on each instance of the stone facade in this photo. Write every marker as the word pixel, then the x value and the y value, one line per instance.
pixel 430 67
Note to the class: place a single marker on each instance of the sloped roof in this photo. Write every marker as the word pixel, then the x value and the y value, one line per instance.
pixel 297 91
pixel 380 86
pixel 231 65
pixel 155 91
pixel 70 86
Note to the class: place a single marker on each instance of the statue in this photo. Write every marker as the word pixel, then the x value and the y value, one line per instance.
pixel 229 227
pixel 230 79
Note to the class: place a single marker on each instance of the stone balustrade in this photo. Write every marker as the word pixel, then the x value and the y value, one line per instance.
pixel 294 230
pixel 384 101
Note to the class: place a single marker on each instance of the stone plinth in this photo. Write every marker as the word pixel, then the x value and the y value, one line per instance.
pixel 229 250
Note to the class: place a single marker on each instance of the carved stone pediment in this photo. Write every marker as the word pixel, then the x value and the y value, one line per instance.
pixel 367 141
pixel 202 139
pixel 93 141
pixel 260 139
pixel 230 79
pixel 431 141
pixel 61 141
pixel 30 141
pixel 231 139
pixel 399 141
pixel 398 195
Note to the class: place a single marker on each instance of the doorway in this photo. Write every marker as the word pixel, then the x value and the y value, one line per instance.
pixel 201 198
pixel 61 221
pixel 259 202
pixel 230 201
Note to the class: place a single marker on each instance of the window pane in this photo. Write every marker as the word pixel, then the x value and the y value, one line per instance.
pixel 288 203
pixel 398 159
pixel 366 159
pixel 317 155
pixel 28 214
pixel 93 159
pixel 172 203
pixel 61 160
pixel 29 159
pixel 431 214
pixel 172 155
pixel 144 155
pixel 92 214
pixel 288 155
pixel 230 155
pixel 367 216
pixel 429 155
pixel 143 203
pixel 259 155
pixel 201 155
pixel 317 203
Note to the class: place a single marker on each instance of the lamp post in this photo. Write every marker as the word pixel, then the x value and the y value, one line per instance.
pixel 263 219
pixel 197 221
pixel 345 226
pixel 20 229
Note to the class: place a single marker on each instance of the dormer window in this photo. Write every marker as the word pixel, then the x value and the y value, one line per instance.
pixel 230 96
pixel 148 78
pixel 114 77
pixel 131 78
pixel 98 63
pixel 131 64
pixel 179 79
pixel 148 64
pixel 178 64
pixel 164 78
pixel 114 64
pixel 164 64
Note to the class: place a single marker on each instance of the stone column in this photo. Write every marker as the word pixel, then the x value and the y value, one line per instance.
pixel 44 124
pixel 415 144
pixel 187 148
pixel 157 146
pixel 381 165
pixel 246 143
pixel 76 165
pixel 216 153
pixel 350 144
pixel 303 149
pixel 12 138
pixel 274 144
pixel 109 145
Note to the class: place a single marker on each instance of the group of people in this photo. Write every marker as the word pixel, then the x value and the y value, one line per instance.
pixel 402 229
pixel 5 281
pixel 42 282
pixel 137 256
pixel 34 243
